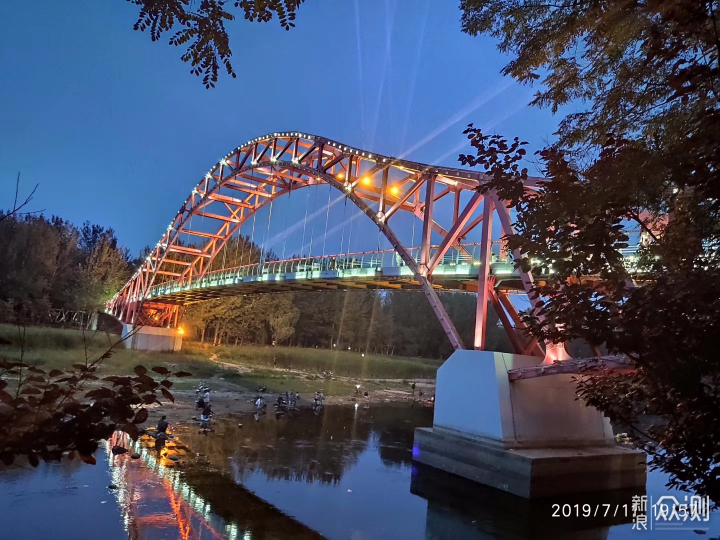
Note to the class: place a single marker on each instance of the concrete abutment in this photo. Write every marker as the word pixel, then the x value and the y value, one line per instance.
pixel 531 437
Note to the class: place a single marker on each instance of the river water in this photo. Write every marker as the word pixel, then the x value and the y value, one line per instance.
pixel 346 473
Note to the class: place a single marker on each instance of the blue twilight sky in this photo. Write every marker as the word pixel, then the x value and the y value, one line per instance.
pixel 117 131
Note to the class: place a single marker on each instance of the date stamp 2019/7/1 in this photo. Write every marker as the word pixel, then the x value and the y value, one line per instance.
pixel 591 510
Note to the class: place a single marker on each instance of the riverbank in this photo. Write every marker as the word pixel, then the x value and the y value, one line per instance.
pixel 234 374
pixel 227 403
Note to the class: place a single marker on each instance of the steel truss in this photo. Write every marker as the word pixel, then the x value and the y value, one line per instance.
pixel 266 168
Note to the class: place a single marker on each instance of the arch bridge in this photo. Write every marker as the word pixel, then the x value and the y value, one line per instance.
pixel 255 174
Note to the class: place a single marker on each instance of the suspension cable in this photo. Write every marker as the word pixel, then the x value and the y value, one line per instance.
pixel 312 227
pixel 267 234
pixel 327 219
pixel 307 202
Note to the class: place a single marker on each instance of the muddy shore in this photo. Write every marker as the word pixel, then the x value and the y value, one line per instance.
pixel 229 402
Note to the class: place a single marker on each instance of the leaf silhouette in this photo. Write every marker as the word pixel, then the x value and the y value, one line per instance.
pixel 161 370
pixel 141 416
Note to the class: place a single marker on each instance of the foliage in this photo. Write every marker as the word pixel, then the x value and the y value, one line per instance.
pixel 49 263
pixel 644 153
pixel 283 318
pixel 201 27
pixel 397 322
pixel 314 362
pixel 641 66
pixel 44 415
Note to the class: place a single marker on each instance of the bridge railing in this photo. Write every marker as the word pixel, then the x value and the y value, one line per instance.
pixel 467 254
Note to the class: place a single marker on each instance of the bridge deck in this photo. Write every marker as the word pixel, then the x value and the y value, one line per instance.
pixel 460 277
pixel 369 270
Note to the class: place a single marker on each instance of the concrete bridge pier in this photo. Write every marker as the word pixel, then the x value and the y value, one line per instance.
pixel 150 338
pixel 531 437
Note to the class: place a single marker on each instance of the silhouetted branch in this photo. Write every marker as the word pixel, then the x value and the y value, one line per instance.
pixel 15 211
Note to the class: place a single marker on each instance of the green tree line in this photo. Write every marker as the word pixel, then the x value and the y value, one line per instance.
pixel 49 263
pixel 384 322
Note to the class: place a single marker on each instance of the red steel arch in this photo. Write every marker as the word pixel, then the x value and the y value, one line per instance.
pixel 266 168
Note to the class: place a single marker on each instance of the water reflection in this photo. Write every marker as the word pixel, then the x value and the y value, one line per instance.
pixel 157 500
pixel 347 473
pixel 459 508
pixel 307 447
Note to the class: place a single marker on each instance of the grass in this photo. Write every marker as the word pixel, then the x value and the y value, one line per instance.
pixel 60 348
pixel 341 363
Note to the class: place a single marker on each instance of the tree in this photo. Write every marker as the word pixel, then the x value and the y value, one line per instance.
pixel 104 272
pixel 201 27
pixel 49 263
pixel 642 67
pixel 644 152
pixel 282 317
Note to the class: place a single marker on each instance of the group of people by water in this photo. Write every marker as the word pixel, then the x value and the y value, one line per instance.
pixel 284 403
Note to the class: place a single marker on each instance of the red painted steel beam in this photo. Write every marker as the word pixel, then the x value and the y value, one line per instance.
pixel 509 330
pixel 532 347
pixel 427 227
pixel 484 276
pixel 454 233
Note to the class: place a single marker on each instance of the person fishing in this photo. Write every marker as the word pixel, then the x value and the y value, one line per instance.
pixel 162 425
pixel 206 416
pixel 160 441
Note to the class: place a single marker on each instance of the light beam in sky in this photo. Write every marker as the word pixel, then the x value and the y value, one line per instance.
pixel 458 116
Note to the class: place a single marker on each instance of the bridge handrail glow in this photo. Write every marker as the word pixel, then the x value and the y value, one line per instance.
pixel 468 255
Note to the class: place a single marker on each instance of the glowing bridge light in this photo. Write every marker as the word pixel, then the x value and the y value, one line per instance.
pixel 394 190
pixel 366 181
pixel 341 175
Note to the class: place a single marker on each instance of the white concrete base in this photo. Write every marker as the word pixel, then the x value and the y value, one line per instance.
pixel 534 431
pixel 475 399
pixel 149 338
